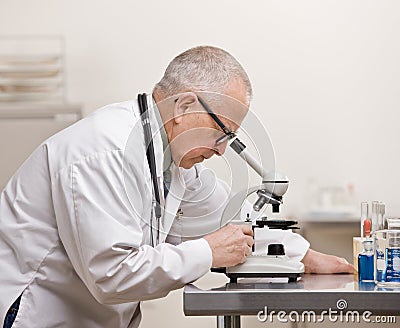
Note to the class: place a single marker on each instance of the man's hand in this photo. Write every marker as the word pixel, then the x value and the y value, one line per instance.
pixel 230 245
pixel 316 262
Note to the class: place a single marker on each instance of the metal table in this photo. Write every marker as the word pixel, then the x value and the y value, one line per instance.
pixel 312 297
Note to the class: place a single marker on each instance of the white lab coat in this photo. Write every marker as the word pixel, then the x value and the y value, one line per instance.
pixel 74 226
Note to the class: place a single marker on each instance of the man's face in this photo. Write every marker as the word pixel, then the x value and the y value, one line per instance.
pixel 195 134
pixel 197 139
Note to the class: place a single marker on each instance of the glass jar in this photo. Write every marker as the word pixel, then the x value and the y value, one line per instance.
pixel 387 257
pixel 393 223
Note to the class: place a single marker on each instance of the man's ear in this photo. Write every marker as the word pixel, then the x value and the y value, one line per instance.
pixel 183 104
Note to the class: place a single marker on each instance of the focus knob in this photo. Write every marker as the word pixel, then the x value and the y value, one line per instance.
pixel 276 249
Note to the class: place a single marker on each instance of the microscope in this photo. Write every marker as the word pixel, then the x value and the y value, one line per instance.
pixel 273 263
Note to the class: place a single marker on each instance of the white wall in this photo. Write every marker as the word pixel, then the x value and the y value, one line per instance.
pixel 326 74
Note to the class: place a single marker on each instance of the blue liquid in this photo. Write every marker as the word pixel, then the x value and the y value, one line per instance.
pixel 365 267
pixel 392 273
pixel 380 259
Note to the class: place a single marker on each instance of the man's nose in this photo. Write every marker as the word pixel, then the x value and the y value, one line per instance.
pixel 220 149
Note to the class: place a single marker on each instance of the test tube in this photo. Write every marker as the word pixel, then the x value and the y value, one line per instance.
pixel 364 216
pixel 381 214
pixel 374 216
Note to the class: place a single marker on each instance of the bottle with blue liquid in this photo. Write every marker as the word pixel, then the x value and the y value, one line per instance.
pixel 366 257
pixel 366 262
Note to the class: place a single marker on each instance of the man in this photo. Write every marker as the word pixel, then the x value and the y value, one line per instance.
pixel 79 244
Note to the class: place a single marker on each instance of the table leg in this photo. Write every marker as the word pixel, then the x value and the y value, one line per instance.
pixel 228 321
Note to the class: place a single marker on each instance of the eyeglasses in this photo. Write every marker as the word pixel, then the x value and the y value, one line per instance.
pixel 228 134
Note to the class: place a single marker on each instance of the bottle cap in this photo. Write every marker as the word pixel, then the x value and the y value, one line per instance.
pixel 368 245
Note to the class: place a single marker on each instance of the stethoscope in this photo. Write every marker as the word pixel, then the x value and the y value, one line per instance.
pixel 151 159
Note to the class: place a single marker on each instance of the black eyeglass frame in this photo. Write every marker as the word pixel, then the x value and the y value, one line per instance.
pixel 229 134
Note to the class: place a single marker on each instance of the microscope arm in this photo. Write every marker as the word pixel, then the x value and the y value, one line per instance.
pixel 270 191
pixel 274 183
pixel 240 148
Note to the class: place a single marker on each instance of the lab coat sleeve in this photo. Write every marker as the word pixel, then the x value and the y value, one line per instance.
pixel 102 233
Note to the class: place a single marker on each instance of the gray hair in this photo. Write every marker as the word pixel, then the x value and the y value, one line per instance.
pixel 203 68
